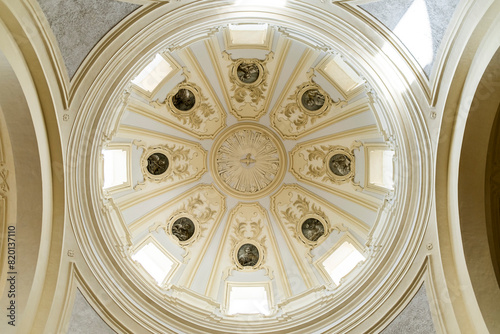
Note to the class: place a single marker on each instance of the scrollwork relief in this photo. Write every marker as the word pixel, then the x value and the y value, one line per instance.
pixel 306 221
pixel 188 223
pixel 188 105
pixel 248 239
pixel 330 163
pixel 248 79
pixel 166 162
pixel 309 103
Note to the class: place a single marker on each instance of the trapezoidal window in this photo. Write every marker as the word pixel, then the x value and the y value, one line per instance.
pixel 155 261
pixel 116 168
pixel 340 263
pixel 251 299
pixel 153 74
pixel 246 35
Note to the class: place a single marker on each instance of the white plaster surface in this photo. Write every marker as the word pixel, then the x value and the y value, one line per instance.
pixel 85 320
pixel 415 318
pixel 431 16
pixel 79 24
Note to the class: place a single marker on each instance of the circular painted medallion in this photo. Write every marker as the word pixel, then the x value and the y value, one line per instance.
pixel 312 99
pixel 248 72
pixel 248 255
pixel 183 228
pixel 340 164
pixel 184 99
pixel 157 163
pixel 312 229
pixel 248 160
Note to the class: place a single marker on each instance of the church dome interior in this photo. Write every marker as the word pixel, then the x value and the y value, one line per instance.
pixel 244 174
pixel 249 166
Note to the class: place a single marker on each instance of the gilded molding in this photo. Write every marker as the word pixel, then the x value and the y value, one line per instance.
pixel 199 210
pixel 180 158
pixel 187 163
pixel 248 80
pixel 321 163
pixel 184 203
pixel 297 116
pixel 310 163
pixel 292 205
pixel 200 119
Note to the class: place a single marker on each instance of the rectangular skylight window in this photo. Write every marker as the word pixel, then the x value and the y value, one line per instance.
pixel 342 261
pixel 341 74
pixel 248 300
pixel 154 261
pixel 151 76
pixel 115 168
pixel 381 168
pixel 248 34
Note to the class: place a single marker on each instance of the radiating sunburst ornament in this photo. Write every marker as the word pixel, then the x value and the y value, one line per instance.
pixel 248 160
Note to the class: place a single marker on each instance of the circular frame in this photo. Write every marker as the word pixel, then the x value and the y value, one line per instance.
pixel 314 113
pixel 196 232
pixel 260 77
pixel 338 178
pixel 190 87
pixel 144 164
pixel 322 238
pixel 259 261
pixel 282 158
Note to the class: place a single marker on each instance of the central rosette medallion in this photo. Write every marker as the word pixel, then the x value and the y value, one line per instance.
pixel 248 160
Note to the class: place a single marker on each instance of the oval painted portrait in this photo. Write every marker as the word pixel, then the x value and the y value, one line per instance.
pixel 312 99
pixel 183 228
pixel 184 100
pixel 157 163
pixel 247 72
pixel 312 229
pixel 340 164
pixel 248 255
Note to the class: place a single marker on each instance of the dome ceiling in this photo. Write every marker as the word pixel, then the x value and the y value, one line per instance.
pixel 244 175
pixel 249 155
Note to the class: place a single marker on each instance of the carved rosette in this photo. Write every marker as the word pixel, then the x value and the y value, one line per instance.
pixel 310 105
pixel 248 237
pixel 327 163
pixel 248 160
pixel 178 159
pixel 191 109
pixel 248 79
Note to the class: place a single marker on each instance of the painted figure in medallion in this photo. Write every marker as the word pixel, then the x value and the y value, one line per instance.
pixel 183 228
pixel 312 229
pixel 248 255
pixel 157 163
pixel 340 164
